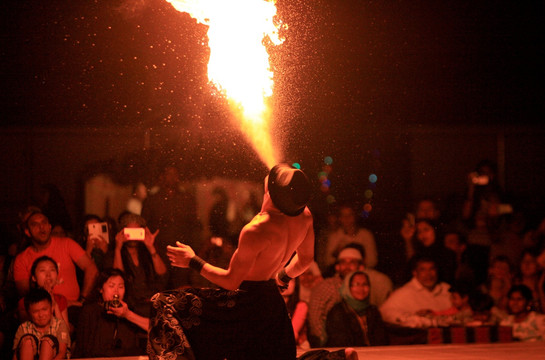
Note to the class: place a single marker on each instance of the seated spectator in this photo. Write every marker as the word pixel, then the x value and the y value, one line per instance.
pixel 531 275
pixel 107 329
pixel 527 324
pixel 145 269
pixel 471 260
pixel 350 232
pixel 500 278
pixel 413 304
pixel 484 311
pixel 354 321
pixel 43 336
pixel 44 275
pixel 427 242
pixel 65 251
pixel 326 294
pixel 98 247
pixel 460 312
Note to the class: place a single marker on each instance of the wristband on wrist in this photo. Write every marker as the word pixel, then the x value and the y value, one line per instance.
pixel 282 276
pixel 196 263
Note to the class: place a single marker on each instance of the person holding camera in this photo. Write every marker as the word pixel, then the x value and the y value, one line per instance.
pixel 107 327
pixel 136 255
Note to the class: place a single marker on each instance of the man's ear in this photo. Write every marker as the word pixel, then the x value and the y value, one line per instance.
pixel 27 232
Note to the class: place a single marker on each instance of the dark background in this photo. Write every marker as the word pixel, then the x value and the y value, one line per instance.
pixel 403 89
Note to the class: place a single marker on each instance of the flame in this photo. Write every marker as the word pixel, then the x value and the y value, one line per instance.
pixel 239 63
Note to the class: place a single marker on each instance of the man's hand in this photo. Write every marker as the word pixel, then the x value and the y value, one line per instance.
pixel 180 254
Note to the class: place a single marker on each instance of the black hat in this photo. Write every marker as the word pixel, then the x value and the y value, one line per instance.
pixel 289 188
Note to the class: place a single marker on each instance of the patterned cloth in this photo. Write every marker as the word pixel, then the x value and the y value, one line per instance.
pixel 249 323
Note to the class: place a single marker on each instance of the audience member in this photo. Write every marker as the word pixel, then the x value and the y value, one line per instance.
pixel 350 232
pixel 140 261
pixel 44 274
pixel 527 325
pixel 97 246
pixel 44 336
pixel 484 194
pixel 66 252
pixel 52 204
pixel 106 327
pixel 326 294
pixel 414 303
pixel 485 313
pixel 354 321
pixel 173 209
pixel 471 260
pixel 500 279
pixel 218 222
pixel 460 313
pixel 135 202
pixel 323 234
pixel 428 243
pixel 531 275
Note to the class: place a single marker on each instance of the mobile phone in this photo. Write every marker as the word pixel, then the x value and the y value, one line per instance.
pixel 135 233
pixel 99 230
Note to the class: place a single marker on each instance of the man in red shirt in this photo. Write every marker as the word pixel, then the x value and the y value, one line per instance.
pixel 65 251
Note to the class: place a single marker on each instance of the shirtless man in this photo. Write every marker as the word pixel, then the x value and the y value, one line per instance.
pixel 247 319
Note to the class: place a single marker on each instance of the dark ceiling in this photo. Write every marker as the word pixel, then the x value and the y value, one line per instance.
pixel 344 63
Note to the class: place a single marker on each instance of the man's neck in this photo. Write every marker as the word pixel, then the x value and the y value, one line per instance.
pixel 39 247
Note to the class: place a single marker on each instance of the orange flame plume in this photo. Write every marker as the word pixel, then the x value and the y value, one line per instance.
pixel 239 63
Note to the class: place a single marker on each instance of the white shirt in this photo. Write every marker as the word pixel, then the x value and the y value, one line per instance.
pixel 401 307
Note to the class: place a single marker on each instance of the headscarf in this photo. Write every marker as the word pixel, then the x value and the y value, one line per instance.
pixel 358 306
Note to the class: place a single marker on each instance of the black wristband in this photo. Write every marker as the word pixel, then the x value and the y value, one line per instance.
pixel 196 263
pixel 282 276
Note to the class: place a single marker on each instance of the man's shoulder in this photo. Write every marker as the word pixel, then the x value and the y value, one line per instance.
pixel 328 283
pixel 377 275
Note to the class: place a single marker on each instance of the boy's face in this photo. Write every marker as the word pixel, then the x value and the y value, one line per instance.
pixel 41 313
pixel 517 303
pixel 458 301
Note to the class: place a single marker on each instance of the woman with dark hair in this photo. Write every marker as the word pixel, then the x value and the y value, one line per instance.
pixel 106 327
pixel 354 321
pixel 429 243
pixel 531 275
pixel 527 325
pixel 146 271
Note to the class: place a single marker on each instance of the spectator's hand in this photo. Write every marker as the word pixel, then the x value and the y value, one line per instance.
pixel 98 242
pixel 149 239
pixel 180 254
pixel 121 311
pixel 120 239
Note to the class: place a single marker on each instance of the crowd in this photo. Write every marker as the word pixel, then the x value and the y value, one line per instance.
pixel 84 293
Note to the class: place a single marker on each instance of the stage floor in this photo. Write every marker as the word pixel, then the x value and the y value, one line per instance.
pixel 502 351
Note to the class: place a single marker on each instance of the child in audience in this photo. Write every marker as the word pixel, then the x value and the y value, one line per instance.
pixel 44 336
pixel 527 324
pixel 43 274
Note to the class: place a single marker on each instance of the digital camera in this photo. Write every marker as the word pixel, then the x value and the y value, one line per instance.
pixel 135 233
pixel 99 230
pixel 114 303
